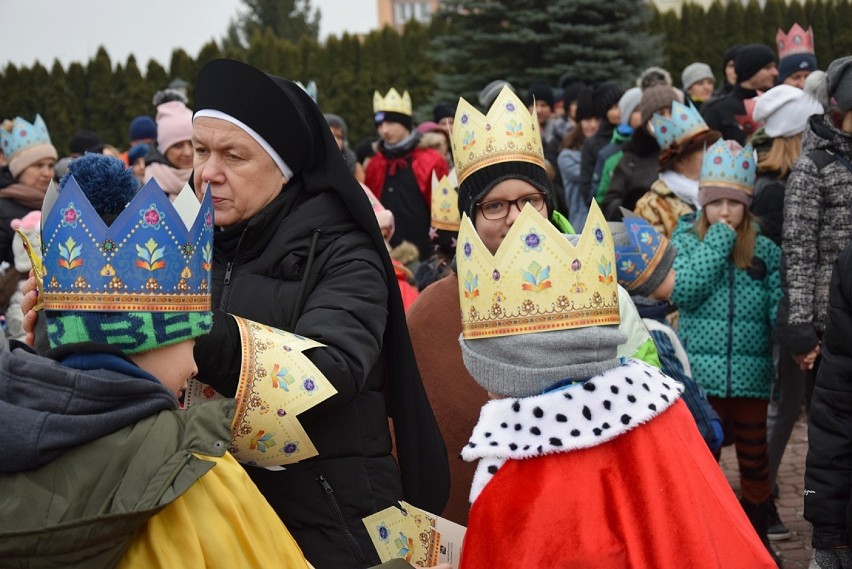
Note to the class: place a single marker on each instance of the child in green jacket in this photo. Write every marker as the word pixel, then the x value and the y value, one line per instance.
pixel 727 289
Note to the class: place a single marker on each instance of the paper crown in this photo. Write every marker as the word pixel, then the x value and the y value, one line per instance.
pixel 23 135
pixel 685 122
pixel 155 257
pixel 277 383
pixel 639 258
pixel 720 168
pixel 392 102
pixel 445 202
pixel 537 281
pixel 797 40
pixel 507 133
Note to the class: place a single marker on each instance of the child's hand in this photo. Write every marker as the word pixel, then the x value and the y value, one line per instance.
pixel 27 303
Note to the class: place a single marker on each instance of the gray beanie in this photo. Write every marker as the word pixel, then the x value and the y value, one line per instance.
pixel 527 364
pixel 695 72
pixel 628 102
pixel 840 82
pixel 489 92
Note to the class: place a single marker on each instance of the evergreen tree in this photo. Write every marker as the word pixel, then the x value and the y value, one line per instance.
pixel 288 19
pixel 529 39
pixel 717 39
pixel 56 108
pixel 818 19
pixel 99 105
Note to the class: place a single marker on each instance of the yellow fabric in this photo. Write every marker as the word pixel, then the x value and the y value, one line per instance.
pixel 221 521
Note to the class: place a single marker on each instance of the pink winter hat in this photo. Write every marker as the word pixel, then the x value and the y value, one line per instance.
pixel 174 124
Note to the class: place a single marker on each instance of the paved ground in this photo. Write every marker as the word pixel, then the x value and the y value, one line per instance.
pixel 795 552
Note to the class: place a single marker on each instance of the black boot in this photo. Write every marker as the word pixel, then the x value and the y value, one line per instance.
pixel 758 515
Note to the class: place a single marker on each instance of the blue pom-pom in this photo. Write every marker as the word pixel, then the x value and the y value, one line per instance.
pixel 107 183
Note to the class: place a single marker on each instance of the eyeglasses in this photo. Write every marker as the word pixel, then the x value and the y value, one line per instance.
pixel 499 209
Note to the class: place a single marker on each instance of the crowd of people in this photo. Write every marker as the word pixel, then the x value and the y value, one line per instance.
pixel 527 315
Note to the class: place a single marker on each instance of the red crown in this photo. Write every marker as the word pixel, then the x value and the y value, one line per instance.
pixel 797 40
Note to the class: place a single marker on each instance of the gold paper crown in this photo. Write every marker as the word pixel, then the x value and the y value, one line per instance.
pixel 507 133
pixel 537 281
pixel 392 102
pixel 445 202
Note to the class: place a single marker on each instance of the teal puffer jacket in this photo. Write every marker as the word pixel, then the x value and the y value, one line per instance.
pixel 727 315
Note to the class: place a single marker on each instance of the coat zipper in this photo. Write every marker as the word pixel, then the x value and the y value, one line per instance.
pixel 341 521
pixel 226 282
pixel 730 323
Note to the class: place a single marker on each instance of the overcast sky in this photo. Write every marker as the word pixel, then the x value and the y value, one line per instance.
pixel 72 30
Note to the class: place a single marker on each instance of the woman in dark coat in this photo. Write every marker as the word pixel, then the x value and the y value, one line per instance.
pixel 298 249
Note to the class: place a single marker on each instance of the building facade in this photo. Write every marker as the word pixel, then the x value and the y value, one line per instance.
pixel 396 12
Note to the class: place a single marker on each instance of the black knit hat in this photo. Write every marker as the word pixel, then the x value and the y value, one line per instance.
pixel 84 141
pixel 585 105
pixel 442 111
pixel 541 91
pixel 750 59
pixel 604 96
pixel 474 188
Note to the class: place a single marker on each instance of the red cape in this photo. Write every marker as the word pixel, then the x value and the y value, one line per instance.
pixel 653 497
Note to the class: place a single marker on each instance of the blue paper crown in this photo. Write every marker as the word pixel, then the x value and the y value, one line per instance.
pixel 23 135
pixel 638 260
pixel 685 122
pixel 155 257
pixel 722 169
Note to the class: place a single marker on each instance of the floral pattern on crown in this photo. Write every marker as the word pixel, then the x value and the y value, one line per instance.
pixel 23 135
pixel 722 169
pixel 445 202
pixel 508 132
pixel 537 281
pixel 637 260
pixel 685 122
pixel 797 40
pixel 393 102
pixel 155 256
pixel 277 383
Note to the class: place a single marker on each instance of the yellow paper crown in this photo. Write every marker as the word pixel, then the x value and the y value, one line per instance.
pixel 392 102
pixel 507 133
pixel 445 202
pixel 537 281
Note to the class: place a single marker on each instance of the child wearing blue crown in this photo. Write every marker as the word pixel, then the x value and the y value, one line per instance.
pixel 100 467
pixel 727 290
pixel 644 259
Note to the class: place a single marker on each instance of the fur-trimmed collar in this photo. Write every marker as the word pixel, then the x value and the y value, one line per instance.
pixel 580 416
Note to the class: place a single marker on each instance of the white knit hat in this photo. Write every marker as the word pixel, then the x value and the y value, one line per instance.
pixel 784 110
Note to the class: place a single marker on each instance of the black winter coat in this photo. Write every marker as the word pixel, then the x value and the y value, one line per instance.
pixel 638 168
pixel 828 469
pixel 258 272
pixel 722 114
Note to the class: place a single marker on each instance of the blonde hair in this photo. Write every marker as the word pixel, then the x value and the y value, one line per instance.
pixel 781 156
pixel 743 252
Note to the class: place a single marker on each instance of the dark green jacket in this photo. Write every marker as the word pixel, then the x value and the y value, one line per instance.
pixel 82 508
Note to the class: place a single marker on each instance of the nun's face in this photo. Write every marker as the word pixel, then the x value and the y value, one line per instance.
pixel 243 178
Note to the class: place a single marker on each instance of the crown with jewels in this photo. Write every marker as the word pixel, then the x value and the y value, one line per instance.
pixel 720 168
pixel 445 202
pixel 155 257
pixel 509 132
pixel 393 102
pixel 537 281
pixel 24 135
pixel 639 258
pixel 685 122
pixel 797 40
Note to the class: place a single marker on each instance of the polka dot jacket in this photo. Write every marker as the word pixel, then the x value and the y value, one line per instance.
pixel 576 417
pixel 727 315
